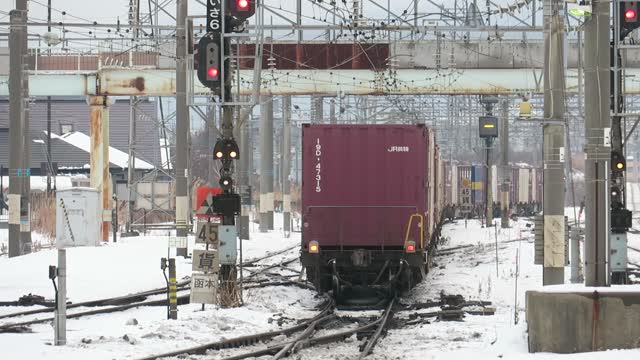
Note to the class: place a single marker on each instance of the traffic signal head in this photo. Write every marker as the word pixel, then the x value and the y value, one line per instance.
pixel 241 9
pixel 226 182
pixel 616 197
pixel 209 60
pixel 227 204
pixel 630 12
pixel 621 220
pixel 628 18
pixel 226 149
pixel 618 163
pixel 488 126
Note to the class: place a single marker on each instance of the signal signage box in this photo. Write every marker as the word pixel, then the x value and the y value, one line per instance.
pixel 78 217
pixel 214 15
pixel 488 126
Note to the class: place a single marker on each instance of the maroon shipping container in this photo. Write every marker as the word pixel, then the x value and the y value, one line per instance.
pixel 361 184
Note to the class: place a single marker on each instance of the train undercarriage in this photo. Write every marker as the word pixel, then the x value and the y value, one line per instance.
pixel 392 270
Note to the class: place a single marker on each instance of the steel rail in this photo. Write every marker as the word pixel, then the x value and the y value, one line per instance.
pixel 301 343
pixel 327 308
pixel 162 302
pixel 139 297
pixel 383 324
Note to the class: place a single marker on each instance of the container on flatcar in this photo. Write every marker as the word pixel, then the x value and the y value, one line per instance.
pixel 363 187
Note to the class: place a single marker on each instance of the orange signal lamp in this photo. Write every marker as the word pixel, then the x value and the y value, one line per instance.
pixel 314 248
pixel 620 166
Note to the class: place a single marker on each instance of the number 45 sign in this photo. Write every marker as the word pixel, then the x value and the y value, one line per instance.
pixel 207 233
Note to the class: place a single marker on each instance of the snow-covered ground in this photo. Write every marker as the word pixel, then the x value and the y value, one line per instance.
pixel 132 265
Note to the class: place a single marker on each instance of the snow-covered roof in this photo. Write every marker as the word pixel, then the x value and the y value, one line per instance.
pixel 116 157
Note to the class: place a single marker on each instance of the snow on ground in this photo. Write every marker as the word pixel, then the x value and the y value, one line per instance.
pixel 472 273
pixel 132 265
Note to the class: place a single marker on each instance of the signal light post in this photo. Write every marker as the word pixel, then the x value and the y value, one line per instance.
pixel 488 129
pixel 626 20
pixel 214 72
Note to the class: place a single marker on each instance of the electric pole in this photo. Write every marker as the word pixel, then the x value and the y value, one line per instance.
pixel 506 171
pixel 266 163
pixel 16 116
pixel 598 152
pixel 25 205
pixel 489 131
pixel 286 165
pixel 182 131
pixel 553 153
pixel 49 159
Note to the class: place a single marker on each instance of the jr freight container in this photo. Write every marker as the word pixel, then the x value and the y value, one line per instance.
pixel 365 203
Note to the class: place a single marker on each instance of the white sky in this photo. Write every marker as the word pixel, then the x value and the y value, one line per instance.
pixel 109 11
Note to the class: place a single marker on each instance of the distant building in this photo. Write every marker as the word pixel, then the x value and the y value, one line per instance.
pixel 70 135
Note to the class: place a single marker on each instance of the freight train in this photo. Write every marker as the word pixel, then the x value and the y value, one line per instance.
pixel 372 200
pixel 525 188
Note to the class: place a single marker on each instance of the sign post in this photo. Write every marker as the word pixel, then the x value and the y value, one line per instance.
pixel 206 263
pixel 77 224
pixel 60 315
pixel 465 197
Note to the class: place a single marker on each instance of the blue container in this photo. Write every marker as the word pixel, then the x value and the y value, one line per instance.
pixel 478 183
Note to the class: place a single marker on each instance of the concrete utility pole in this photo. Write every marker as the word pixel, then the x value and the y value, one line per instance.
pixel 132 162
pixel 49 155
pixel 60 315
pixel 286 164
pixel 506 171
pixel 598 154
pixel 489 103
pixel 16 118
pixel 25 210
pixel 266 163
pixel 182 131
pixel 244 177
pixel 489 189
pixel 553 132
pixel 318 109
pixel 332 112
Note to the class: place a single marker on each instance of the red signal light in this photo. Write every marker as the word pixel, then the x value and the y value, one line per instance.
pixel 243 5
pixel 629 14
pixel 411 247
pixel 212 72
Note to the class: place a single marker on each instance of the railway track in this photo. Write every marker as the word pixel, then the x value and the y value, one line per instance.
pixel 20 326
pixel 326 312
pixel 126 302
pixel 372 330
